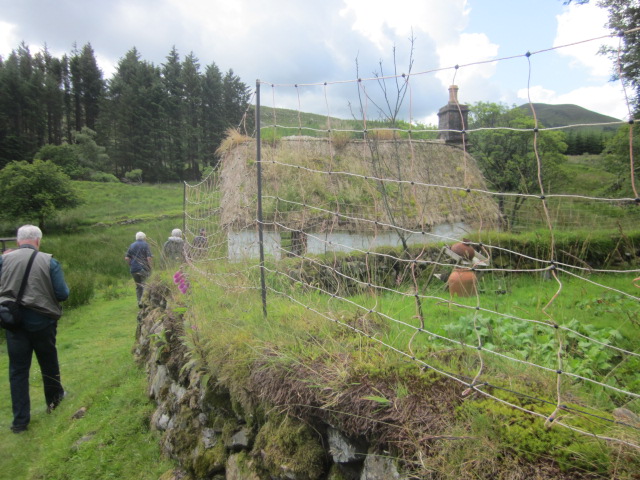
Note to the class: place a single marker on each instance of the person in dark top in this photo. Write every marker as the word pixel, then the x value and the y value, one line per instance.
pixel 200 245
pixel 40 310
pixel 139 259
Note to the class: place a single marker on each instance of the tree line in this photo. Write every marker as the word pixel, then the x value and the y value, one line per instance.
pixel 157 123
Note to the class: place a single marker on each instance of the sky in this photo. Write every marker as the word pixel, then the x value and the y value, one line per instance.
pixel 284 43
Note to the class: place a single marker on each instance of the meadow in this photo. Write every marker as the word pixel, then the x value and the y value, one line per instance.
pixel 338 341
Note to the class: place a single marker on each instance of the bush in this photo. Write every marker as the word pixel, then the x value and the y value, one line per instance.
pixel 103 177
pixel 134 175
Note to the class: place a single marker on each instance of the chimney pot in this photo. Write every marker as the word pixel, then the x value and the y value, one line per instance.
pixel 453 94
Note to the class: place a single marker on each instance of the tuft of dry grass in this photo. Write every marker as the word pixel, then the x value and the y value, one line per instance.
pixel 384 134
pixel 232 139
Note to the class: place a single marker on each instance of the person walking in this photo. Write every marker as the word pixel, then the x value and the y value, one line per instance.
pixel 200 245
pixel 173 249
pixel 139 259
pixel 40 310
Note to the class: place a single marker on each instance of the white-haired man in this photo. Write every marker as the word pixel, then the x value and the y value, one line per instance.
pixel 138 257
pixel 173 249
pixel 40 310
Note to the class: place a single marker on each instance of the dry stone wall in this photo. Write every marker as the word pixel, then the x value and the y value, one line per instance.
pixel 207 437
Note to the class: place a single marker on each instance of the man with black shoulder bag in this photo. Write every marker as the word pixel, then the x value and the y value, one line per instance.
pixel 32 286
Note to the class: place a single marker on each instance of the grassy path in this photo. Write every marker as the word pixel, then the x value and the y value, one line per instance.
pixel 112 440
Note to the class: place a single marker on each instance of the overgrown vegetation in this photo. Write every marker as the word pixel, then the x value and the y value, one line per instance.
pixel 297 360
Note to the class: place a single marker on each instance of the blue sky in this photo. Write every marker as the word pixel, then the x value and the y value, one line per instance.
pixel 293 42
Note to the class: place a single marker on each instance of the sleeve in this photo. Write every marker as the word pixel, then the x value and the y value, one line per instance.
pixel 60 288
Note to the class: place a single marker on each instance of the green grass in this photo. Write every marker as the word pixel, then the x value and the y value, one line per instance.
pixel 313 332
pixel 91 240
pixel 109 203
pixel 583 174
pixel 112 204
pixel 292 122
pixel 113 439
pixel 557 115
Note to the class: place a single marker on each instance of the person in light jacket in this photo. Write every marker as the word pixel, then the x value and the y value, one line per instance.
pixel 173 249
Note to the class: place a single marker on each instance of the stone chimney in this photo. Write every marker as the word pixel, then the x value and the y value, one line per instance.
pixel 453 116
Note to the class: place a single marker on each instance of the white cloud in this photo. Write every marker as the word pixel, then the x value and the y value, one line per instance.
pixel 107 65
pixel 381 24
pixel 603 99
pixel 467 51
pixel 8 38
pixel 572 25
pixel 576 24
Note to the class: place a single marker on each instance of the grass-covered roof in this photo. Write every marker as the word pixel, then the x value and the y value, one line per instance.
pixel 305 179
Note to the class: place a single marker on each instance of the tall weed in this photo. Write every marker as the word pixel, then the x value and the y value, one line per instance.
pixel 82 288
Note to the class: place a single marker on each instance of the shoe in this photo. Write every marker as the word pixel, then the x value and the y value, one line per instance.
pixel 53 405
pixel 18 428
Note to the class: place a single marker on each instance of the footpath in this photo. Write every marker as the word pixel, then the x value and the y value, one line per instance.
pixel 101 429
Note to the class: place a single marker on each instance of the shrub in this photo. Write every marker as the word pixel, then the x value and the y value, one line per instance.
pixel 134 175
pixel 104 177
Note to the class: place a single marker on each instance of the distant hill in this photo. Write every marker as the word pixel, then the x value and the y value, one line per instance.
pixel 568 114
pixel 548 115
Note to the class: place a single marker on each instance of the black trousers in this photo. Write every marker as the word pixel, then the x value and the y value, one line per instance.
pixel 21 346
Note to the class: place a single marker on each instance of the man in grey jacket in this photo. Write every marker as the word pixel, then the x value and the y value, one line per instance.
pixel 40 312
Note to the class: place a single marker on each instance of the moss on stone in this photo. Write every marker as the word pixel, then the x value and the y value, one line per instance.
pixel 336 474
pixel 207 462
pixel 289 447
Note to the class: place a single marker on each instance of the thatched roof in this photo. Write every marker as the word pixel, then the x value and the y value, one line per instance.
pixel 295 170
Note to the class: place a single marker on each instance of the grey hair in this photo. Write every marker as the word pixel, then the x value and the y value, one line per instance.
pixel 29 232
pixel 176 232
pixel 140 236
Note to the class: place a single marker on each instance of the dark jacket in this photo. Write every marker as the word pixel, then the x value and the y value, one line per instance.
pixel 138 255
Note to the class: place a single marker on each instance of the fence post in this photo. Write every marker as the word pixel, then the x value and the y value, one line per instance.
pixel 184 209
pixel 260 222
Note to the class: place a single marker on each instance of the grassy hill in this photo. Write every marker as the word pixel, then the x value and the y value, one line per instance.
pixel 568 114
pixel 282 122
pixel 549 115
